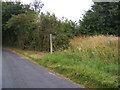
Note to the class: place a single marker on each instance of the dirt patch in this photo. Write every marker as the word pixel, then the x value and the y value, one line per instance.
pixel 37 56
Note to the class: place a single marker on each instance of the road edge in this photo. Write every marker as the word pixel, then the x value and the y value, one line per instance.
pixel 49 70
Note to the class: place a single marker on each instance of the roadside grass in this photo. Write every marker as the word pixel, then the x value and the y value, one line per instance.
pixel 90 61
pixel 92 73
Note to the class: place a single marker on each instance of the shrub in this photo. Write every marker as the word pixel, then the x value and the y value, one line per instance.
pixel 61 42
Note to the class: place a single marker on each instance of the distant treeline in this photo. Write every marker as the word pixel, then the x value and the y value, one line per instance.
pixel 25 26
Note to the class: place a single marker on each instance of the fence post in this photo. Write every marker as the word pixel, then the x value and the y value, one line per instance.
pixel 51 48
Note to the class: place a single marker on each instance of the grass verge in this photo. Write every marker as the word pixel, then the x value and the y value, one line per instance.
pixel 91 73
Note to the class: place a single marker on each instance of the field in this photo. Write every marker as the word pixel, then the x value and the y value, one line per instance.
pixel 91 61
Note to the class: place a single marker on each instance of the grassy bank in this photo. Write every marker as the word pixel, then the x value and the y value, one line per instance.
pixel 90 61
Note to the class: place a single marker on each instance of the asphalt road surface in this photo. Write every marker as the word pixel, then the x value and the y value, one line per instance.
pixel 18 72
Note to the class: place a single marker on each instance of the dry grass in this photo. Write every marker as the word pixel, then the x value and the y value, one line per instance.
pixel 81 43
pixel 35 54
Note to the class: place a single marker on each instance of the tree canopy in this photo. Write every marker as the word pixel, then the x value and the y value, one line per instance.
pixel 101 19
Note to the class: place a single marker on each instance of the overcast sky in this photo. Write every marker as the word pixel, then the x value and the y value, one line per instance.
pixel 70 9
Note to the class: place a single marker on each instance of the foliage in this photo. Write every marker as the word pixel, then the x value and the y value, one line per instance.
pixel 61 42
pixel 101 19
pixel 36 6
pixel 25 26
pixel 22 31
pixel 48 24
pixel 9 9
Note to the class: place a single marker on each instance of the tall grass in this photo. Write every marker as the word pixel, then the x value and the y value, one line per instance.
pixel 103 48
pixel 91 61
pixel 93 42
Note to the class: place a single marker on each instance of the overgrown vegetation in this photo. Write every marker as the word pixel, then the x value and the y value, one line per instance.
pixel 95 65
pixel 26 27
pixel 92 61
pixel 85 51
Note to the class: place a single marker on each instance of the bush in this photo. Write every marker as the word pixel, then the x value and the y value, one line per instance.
pixel 61 42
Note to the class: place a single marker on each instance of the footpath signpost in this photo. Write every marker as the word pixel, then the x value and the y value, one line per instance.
pixel 51 47
pixel 52 36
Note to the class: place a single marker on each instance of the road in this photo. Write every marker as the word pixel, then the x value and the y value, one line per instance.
pixel 18 72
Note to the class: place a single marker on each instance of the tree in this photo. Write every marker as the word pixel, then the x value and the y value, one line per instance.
pixel 37 6
pixel 8 10
pixel 45 25
pixel 26 28
pixel 101 19
pixel 23 25
pixel 69 28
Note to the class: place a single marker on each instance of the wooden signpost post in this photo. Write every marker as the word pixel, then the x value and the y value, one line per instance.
pixel 52 37
pixel 51 47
